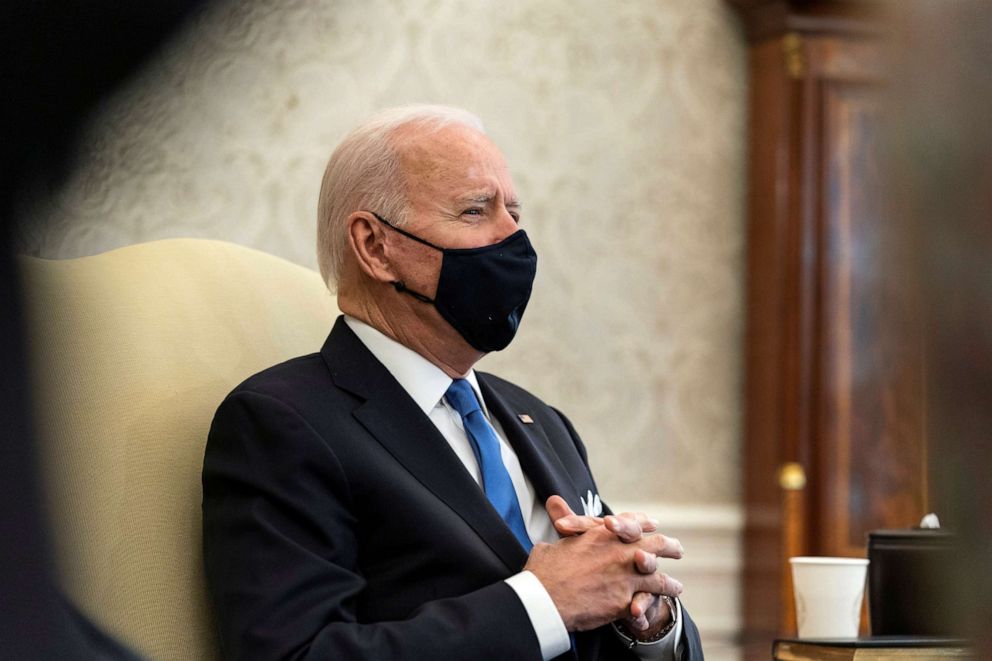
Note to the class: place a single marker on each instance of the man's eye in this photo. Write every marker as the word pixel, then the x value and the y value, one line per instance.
pixel 472 212
pixel 515 216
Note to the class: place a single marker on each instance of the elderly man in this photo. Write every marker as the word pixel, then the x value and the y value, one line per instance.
pixel 382 500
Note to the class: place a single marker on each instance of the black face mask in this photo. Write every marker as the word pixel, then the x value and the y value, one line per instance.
pixel 482 292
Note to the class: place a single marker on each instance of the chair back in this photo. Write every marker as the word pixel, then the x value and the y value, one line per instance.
pixel 132 352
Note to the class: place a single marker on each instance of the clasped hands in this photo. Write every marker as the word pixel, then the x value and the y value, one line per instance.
pixel 604 569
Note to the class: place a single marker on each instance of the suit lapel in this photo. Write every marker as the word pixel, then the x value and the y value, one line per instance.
pixel 537 456
pixel 400 426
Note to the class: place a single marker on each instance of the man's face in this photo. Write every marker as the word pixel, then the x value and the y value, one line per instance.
pixel 460 195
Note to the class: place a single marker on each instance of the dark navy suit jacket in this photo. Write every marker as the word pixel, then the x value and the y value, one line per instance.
pixel 339 524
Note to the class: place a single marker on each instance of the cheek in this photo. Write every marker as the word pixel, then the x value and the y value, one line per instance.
pixel 419 268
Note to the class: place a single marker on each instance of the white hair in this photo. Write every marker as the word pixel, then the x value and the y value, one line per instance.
pixel 364 173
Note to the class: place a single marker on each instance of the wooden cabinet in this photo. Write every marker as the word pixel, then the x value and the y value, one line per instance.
pixel 834 433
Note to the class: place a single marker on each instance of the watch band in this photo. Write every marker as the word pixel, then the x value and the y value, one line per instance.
pixel 632 641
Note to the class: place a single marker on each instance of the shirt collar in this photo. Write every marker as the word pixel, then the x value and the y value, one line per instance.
pixel 424 381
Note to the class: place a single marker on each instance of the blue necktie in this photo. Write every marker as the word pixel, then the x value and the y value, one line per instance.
pixel 495 479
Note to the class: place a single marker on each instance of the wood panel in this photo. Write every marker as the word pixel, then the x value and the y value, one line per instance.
pixel 834 443
pixel 870 456
pixel 766 338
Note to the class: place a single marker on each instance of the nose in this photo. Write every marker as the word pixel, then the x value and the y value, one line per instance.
pixel 505 226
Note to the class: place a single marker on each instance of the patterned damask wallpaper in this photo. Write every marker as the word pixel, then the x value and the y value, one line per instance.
pixel 624 124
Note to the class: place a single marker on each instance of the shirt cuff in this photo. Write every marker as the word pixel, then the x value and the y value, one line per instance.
pixel 664 648
pixel 548 625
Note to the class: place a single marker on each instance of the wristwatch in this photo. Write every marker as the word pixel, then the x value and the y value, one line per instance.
pixel 632 641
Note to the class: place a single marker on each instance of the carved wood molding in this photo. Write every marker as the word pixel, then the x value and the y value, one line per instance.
pixel 766 19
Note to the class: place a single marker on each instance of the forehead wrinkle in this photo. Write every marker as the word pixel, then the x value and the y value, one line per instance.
pixel 487 198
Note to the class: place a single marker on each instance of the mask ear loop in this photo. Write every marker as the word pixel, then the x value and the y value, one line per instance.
pixel 401 287
pixel 405 233
pixel 399 284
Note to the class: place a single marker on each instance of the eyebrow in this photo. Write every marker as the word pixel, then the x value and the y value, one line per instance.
pixel 486 198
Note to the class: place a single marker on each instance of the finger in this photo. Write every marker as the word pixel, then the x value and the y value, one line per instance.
pixel 641 606
pixel 627 529
pixel 658 611
pixel 639 623
pixel 557 508
pixel 646 563
pixel 646 523
pixel 658 583
pixel 663 546
pixel 576 525
pixel 567 522
pixel 642 603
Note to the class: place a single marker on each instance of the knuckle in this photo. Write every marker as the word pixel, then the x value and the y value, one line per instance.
pixel 601 532
pixel 664 582
pixel 601 536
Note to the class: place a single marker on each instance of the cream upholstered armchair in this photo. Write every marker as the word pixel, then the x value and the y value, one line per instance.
pixel 134 349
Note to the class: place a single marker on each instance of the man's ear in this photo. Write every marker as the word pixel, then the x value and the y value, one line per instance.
pixel 367 240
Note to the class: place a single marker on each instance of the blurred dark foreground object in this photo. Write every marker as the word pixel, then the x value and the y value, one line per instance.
pixel 904 565
pixel 939 174
pixel 58 59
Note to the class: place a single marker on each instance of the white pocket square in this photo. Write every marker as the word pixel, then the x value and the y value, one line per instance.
pixel 591 505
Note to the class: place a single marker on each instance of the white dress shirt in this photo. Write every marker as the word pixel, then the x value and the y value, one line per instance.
pixel 426 384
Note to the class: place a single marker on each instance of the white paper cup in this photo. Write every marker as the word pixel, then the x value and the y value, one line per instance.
pixel 828 595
